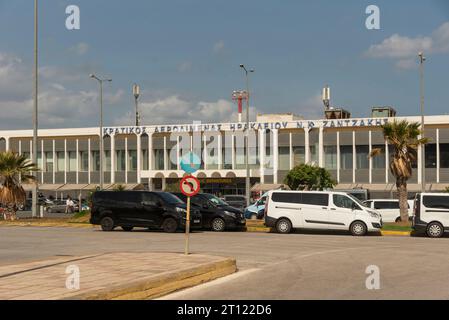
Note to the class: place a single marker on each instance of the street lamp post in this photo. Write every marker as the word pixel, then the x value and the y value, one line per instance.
pixel 100 81
pixel 422 59
pixel 248 193
pixel 136 93
pixel 35 109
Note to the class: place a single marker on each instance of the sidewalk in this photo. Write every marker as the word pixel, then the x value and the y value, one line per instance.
pixel 111 276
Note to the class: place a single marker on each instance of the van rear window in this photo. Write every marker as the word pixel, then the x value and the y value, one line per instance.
pixel 436 202
pixel 316 199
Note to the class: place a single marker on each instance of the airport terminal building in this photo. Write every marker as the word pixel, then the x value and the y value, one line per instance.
pixel 148 156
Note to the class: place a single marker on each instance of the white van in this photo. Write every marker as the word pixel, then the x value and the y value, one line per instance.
pixel 389 208
pixel 431 214
pixel 286 210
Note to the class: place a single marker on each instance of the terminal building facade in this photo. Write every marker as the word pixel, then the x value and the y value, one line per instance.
pixel 149 156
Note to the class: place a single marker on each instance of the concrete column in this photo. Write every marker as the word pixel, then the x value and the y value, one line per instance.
pixel 338 157
pixel 205 151
pixel 126 160
pixel 164 183
pixel 370 138
pixel 89 161
pixel 54 161
pixel 43 161
pixel 292 158
pixel 307 146
pixel 321 147
pixel 220 151
pixel 233 152
pixel 77 161
pixel 387 161
pixel 262 150
pixel 165 154
pixel 275 155
pixel 66 161
pixel 178 153
pixel 139 158
pixel 438 155
pixel 20 147
pixel 354 158
pixel 113 164
pixel 150 152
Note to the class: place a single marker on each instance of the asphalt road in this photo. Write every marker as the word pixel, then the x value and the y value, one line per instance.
pixel 271 266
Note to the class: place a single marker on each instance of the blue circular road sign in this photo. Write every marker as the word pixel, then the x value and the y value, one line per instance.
pixel 190 163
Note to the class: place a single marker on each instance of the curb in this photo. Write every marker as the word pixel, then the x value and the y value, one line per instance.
pixel 396 233
pixel 157 286
pixel 46 225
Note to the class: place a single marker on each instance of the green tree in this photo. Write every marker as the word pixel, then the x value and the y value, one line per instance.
pixel 14 170
pixel 405 139
pixel 308 177
pixel 119 187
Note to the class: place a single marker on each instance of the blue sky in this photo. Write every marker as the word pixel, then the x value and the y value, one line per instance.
pixel 186 56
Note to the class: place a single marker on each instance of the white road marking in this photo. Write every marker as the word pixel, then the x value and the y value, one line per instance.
pixel 182 293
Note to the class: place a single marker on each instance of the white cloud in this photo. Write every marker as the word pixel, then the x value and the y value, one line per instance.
pixel 219 46
pixel 185 66
pixel 406 49
pixel 312 108
pixel 80 49
pixel 176 110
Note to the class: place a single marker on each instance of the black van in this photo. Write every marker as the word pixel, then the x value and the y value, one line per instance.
pixel 130 209
pixel 216 214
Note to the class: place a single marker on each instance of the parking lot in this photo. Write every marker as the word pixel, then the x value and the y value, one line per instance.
pixel 295 266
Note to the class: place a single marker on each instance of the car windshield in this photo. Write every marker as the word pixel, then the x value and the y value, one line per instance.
pixel 357 201
pixel 170 198
pixel 215 200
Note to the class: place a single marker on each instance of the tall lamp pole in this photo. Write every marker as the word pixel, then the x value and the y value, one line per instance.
pixel 35 109
pixel 422 59
pixel 136 93
pixel 248 182
pixel 100 81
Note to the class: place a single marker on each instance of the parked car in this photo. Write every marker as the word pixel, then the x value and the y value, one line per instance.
pixel 360 194
pixel 321 210
pixel 238 202
pixel 215 216
pixel 431 214
pixel 130 209
pixel 60 206
pixel 389 209
pixel 256 210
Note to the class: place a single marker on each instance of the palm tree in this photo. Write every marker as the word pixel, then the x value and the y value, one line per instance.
pixel 405 139
pixel 14 170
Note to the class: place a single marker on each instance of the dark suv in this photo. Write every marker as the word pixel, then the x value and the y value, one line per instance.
pixel 216 214
pixel 130 209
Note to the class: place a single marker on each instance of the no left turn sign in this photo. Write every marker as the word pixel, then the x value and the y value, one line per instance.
pixel 190 186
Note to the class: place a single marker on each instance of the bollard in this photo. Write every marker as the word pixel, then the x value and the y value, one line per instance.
pixel 41 211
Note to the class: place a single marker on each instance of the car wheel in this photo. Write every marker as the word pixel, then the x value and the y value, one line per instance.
pixel 398 220
pixel 284 226
pixel 107 224
pixel 170 225
pixel 358 229
pixel 435 230
pixel 128 229
pixel 218 225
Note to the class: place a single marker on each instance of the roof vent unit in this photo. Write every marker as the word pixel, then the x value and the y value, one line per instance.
pixel 383 112
pixel 337 113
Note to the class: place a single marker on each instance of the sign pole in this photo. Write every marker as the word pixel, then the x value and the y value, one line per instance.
pixel 187 227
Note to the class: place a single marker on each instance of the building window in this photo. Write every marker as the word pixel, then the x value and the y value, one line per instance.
pixel 346 160
pixel 72 162
pixel 60 161
pixel 121 160
pixel 431 156
pixel 299 156
pixel 107 161
pixel 145 160
pixel 284 158
pixel 95 161
pixel 159 159
pixel 132 160
pixel 84 161
pixel 330 157
pixel 444 155
pixel 362 157
pixel 48 162
pixel 379 160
